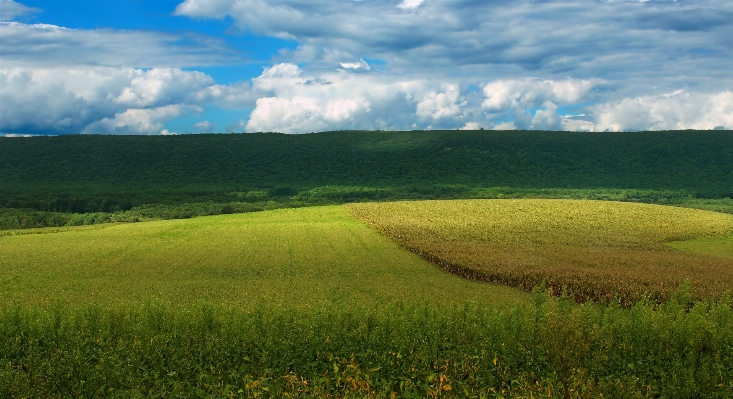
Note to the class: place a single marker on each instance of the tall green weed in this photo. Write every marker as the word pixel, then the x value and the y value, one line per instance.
pixel 550 348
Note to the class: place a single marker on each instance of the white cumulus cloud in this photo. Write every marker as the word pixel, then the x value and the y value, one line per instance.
pixel 293 101
pixel 678 110
pixel 547 118
pixel 298 114
pixel 140 121
pixel 504 94
pixel 471 126
pixel 438 105
pixel 68 100
pixel 155 86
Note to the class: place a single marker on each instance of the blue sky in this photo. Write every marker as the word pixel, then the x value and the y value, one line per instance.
pixel 295 66
pixel 254 52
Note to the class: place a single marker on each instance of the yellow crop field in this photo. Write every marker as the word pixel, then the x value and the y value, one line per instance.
pixel 306 258
pixel 594 249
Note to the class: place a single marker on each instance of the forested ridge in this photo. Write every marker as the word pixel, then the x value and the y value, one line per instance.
pixel 83 173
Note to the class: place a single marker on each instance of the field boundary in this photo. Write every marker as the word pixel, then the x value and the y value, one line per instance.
pixel 444 265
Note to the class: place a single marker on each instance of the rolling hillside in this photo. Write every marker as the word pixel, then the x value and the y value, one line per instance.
pixel 112 173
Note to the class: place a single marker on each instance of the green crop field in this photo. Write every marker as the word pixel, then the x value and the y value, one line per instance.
pixel 312 302
pixel 305 257
pixel 594 249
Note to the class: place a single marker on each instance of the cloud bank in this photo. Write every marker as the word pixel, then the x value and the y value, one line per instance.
pixel 285 98
pixel 595 65
pixel 584 39
pixel 96 100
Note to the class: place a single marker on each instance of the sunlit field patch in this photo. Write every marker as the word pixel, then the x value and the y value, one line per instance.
pixel 305 257
pixel 594 250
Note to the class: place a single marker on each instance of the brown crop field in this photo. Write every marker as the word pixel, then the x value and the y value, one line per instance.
pixel 594 250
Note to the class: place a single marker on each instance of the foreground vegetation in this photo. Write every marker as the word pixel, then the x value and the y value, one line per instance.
pixel 547 349
pixel 72 180
pixel 595 250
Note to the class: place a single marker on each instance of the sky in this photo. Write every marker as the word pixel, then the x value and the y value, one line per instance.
pixel 301 66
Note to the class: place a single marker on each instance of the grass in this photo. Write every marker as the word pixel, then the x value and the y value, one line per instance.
pixel 311 302
pixel 548 348
pixel 306 257
pixel 597 250
pixel 717 246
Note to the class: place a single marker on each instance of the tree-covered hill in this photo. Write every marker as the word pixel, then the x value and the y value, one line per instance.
pixel 108 173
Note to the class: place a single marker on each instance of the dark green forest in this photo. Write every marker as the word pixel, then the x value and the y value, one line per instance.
pixel 80 179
